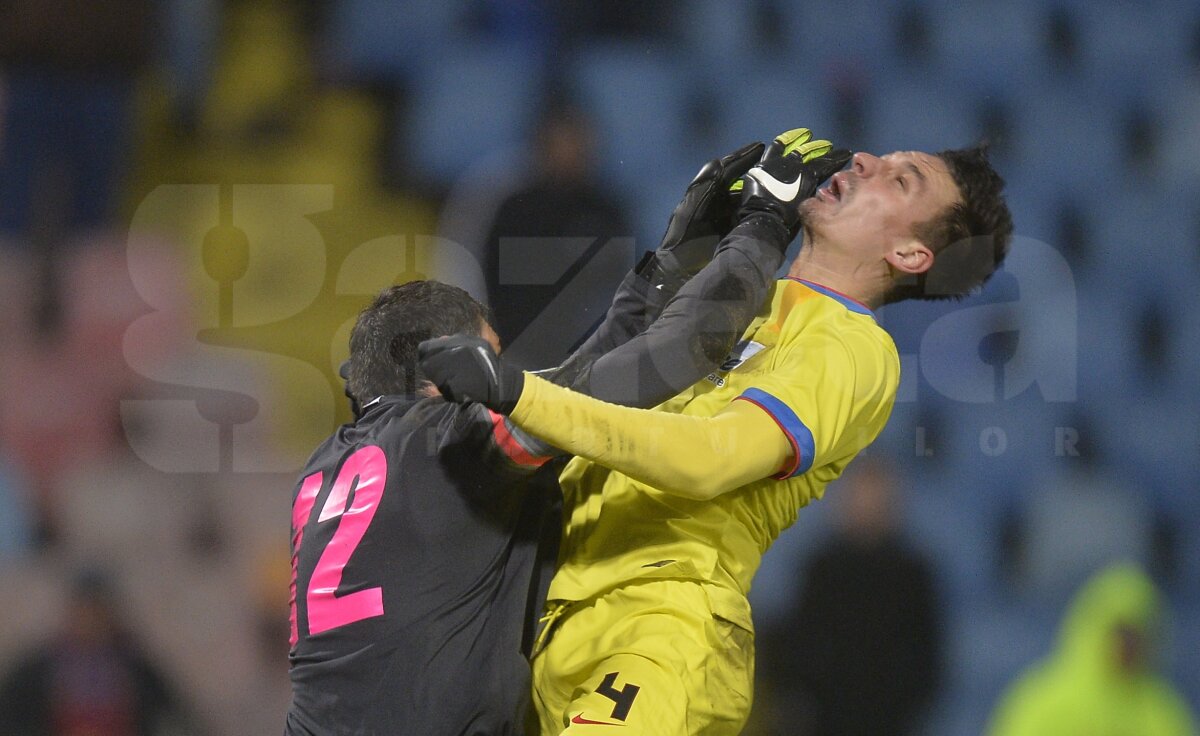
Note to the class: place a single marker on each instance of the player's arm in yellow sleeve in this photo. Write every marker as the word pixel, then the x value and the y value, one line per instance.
pixel 695 457
pixel 813 404
pixel 826 396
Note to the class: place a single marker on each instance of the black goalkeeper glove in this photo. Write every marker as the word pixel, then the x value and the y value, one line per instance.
pixel 465 368
pixel 790 171
pixel 701 219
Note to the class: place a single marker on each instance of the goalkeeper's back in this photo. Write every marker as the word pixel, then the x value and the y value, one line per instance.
pixel 415 561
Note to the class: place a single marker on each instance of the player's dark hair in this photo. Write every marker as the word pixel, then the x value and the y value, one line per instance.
pixel 383 344
pixel 969 239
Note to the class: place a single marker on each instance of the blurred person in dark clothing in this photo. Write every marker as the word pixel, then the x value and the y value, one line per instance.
pixel 69 69
pixel 564 205
pixel 861 654
pixel 89 679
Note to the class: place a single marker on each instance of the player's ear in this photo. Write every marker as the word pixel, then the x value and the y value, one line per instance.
pixel 910 256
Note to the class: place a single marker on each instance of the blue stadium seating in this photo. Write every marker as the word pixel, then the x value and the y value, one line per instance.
pixel 476 95
pixel 638 96
pixel 1124 46
pixel 989 45
pixel 379 40
pixel 907 112
pixel 772 101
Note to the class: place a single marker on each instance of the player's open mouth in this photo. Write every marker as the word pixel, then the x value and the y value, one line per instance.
pixel 832 192
pixel 838 186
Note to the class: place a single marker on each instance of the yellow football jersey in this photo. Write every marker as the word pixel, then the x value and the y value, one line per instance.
pixel 824 370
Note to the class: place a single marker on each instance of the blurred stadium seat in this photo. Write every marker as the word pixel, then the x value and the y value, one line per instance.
pixel 773 100
pixel 989 45
pixel 381 40
pixel 913 113
pixel 638 96
pixel 471 96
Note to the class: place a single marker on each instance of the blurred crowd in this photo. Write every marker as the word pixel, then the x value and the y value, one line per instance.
pixel 196 197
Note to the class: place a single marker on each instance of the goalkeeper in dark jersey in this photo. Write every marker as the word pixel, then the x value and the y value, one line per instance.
pixel 421 551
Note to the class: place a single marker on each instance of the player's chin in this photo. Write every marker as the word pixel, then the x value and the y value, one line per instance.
pixel 811 209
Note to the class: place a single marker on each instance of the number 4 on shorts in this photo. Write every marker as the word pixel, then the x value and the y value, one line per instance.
pixel 623 697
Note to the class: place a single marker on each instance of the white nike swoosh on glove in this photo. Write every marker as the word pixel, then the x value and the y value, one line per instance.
pixel 488 362
pixel 781 191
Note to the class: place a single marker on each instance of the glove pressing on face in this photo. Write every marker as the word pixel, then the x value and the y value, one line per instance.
pixel 790 171
pixel 465 368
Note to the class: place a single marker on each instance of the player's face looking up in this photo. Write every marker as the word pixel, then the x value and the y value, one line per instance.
pixel 872 209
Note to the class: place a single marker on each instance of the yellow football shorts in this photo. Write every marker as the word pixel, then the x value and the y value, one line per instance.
pixel 652 657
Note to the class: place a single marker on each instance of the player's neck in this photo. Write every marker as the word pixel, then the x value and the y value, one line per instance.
pixel 840 273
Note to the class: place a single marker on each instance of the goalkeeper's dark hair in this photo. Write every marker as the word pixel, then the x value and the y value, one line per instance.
pixel 970 239
pixel 383 343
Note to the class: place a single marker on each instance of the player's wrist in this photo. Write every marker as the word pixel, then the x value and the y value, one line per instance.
pixel 765 225
pixel 509 388
pixel 526 402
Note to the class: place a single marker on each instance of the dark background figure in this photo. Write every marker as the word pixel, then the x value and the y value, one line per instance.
pixel 861 654
pixel 90 679
pixel 571 223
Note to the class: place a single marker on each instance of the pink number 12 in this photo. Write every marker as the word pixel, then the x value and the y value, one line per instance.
pixel 364 472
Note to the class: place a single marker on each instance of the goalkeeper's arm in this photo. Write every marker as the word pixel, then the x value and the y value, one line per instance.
pixel 696 330
pixel 692 336
pixel 701 324
pixel 655 367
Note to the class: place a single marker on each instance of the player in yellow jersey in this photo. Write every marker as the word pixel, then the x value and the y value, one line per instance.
pixel 668 511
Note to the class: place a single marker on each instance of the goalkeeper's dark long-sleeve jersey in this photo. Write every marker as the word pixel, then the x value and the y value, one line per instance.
pixel 422 547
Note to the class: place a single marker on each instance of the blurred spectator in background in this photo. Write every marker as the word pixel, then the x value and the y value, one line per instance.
pixel 70 67
pixel 1101 680
pixel 574 219
pixel 90 679
pixel 861 655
